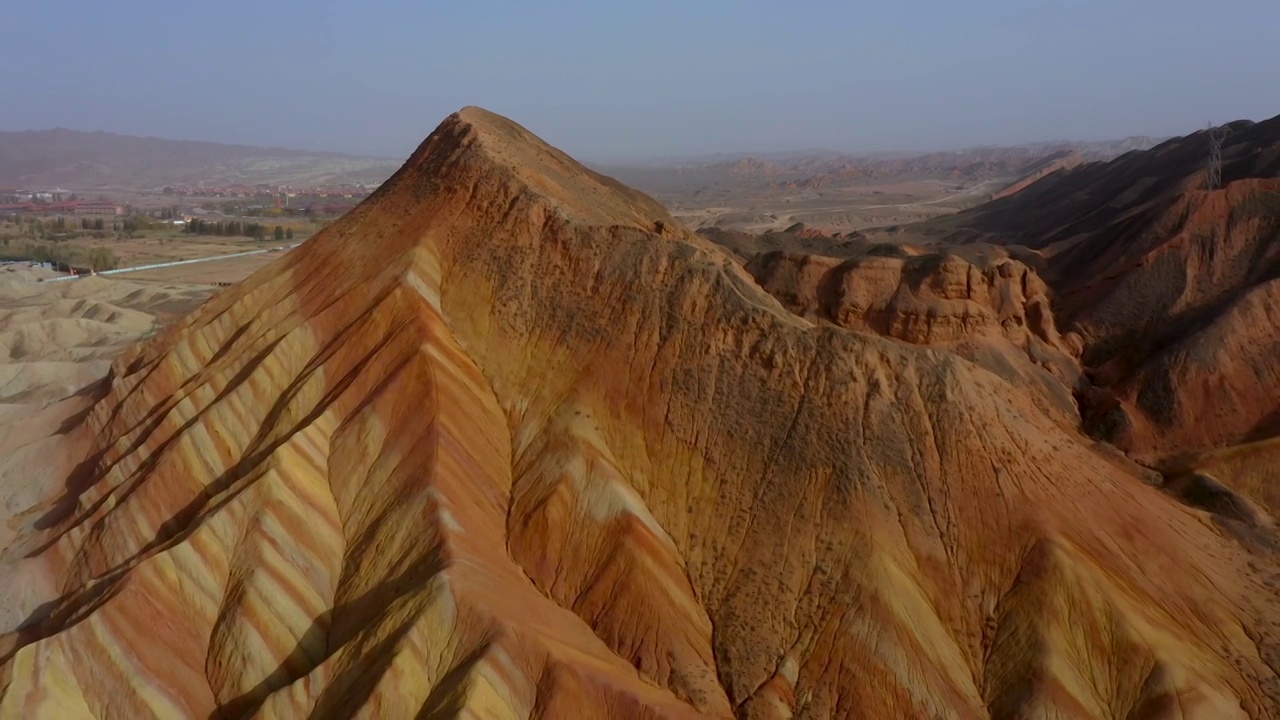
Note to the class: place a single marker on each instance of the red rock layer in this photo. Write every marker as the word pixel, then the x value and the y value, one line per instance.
pixel 1178 328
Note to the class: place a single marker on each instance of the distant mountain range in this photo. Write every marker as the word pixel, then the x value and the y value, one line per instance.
pixel 1090 149
pixel 98 160
pixel 821 169
pixel 80 160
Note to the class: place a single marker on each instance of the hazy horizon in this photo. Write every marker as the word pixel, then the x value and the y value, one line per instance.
pixel 640 159
pixel 612 84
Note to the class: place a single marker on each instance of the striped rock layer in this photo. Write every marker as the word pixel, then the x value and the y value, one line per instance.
pixel 506 442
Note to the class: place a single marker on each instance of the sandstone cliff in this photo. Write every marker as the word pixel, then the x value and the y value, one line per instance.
pixel 924 300
pixel 507 442
pixel 995 312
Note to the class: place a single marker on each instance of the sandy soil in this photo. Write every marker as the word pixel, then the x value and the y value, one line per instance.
pixel 56 341
pixel 57 337
pixel 837 210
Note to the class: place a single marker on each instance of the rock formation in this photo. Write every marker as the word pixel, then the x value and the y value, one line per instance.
pixel 1181 326
pixel 804 231
pixel 924 300
pixel 995 312
pixel 1171 287
pixel 491 446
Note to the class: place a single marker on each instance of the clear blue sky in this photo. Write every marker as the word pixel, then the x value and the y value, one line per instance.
pixel 603 80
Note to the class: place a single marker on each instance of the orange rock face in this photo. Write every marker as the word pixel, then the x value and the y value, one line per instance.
pixel 996 313
pixel 1182 325
pixel 924 300
pixel 498 444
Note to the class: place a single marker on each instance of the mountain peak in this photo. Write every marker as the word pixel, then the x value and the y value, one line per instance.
pixel 476 141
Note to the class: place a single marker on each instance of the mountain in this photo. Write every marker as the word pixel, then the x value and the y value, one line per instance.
pixel 1097 149
pixel 87 160
pixel 1038 170
pixel 1090 149
pixel 820 169
pixel 507 441
pixel 1169 284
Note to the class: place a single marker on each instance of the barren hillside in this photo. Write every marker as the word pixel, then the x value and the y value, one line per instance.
pixel 506 441
pixel 1171 285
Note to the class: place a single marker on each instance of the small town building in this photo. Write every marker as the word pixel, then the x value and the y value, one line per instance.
pixel 97 209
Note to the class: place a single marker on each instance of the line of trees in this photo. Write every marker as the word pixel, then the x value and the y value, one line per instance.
pixel 236 228
pixel 62 228
pixel 58 228
pixel 66 256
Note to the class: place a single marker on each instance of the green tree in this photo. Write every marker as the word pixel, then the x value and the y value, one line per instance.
pixel 101 258
pixel 279 233
pixel 288 234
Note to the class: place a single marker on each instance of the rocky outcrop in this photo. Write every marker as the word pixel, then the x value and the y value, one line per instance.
pixel 996 312
pixel 492 445
pixel 804 231
pixel 924 300
pixel 1248 475
pixel 1169 285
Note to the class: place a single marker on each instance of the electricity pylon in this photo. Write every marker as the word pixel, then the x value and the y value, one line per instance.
pixel 1216 137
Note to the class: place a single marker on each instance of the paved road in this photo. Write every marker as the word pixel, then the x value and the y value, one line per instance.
pixel 175 263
